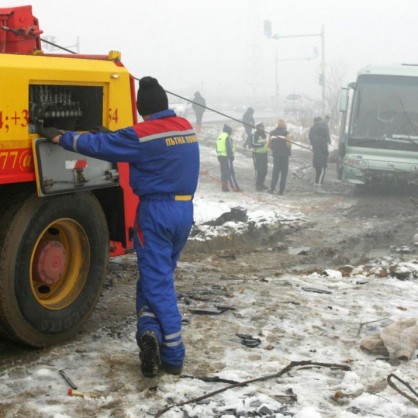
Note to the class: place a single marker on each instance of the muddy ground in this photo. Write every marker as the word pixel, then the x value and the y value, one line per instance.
pixel 343 226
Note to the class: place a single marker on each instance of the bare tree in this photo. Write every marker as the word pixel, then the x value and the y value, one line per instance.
pixel 335 80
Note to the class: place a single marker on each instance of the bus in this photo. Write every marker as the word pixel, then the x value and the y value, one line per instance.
pixel 378 141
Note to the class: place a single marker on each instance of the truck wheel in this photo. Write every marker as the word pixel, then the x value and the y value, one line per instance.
pixel 53 260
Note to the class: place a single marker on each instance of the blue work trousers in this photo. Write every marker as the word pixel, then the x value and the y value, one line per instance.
pixel 163 226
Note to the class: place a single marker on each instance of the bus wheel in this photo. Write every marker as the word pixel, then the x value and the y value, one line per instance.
pixel 53 259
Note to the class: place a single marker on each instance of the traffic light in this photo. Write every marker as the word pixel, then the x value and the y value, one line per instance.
pixel 267 28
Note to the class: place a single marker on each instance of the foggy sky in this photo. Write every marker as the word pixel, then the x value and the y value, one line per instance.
pixel 218 47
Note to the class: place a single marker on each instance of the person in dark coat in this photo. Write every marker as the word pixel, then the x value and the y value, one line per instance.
pixel 281 149
pixel 248 121
pixel 198 105
pixel 319 139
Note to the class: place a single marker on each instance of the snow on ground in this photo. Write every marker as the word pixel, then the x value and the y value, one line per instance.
pixel 319 317
pixel 210 202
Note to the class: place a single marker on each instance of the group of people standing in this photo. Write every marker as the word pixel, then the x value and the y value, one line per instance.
pixel 280 145
pixel 257 140
pixel 277 141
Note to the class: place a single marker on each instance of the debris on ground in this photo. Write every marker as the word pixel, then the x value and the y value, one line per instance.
pixel 397 341
pixel 236 214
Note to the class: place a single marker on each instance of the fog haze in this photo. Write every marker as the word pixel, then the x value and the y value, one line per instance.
pixel 218 47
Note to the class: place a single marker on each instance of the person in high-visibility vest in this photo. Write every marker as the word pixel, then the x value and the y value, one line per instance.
pixel 260 156
pixel 225 151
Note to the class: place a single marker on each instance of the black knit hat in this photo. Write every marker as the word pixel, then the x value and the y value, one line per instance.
pixel 151 97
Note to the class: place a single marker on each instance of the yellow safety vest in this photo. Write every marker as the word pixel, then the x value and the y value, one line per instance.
pixel 221 145
pixel 263 149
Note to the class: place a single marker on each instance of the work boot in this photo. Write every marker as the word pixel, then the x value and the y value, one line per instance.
pixel 149 354
pixel 171 369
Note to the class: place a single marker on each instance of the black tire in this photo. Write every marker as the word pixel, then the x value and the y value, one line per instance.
pixel 54 256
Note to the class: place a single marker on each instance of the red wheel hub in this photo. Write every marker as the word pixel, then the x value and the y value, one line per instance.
pixel 51 262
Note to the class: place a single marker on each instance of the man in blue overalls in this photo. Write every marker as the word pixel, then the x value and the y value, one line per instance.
pixel 163 154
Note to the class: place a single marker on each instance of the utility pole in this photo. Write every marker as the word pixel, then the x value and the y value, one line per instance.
pixel 269 35
pixel 322 75
pixel 253 55
pixel 276 78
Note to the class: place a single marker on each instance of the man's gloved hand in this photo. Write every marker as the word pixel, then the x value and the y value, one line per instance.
pixel 48 133
pixel 97 129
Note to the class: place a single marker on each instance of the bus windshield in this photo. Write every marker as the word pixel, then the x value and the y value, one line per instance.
pixel 385 108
